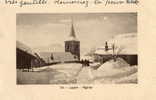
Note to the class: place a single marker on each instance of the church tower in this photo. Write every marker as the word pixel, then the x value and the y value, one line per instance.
pixel 72 45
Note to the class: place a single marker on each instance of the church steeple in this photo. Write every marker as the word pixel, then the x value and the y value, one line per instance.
pixel 72 33
pixel 72 45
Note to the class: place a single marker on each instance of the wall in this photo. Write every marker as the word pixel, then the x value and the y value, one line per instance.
pixel 130 59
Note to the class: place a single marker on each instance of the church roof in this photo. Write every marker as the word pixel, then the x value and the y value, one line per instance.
pixel 57 56
pixel 72 34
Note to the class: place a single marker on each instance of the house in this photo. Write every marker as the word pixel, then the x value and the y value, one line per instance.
pixel 124 46
pixel 26 58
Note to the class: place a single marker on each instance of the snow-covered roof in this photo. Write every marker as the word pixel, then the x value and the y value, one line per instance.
pixel 57 56
pixel 101 51
pixel 87 58
pixel 25 48
pixel 124 44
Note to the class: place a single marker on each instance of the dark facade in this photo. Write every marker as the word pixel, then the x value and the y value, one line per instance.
pixel 26 58
pixel 73 47
pixel 23 59
pixel 130 59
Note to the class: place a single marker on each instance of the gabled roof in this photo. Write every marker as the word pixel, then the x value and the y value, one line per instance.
pixel 50 57
pixel 24 48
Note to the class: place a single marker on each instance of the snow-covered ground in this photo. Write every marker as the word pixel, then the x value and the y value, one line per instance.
pixel 54 74
pixel 68 72
pixel 72 73
pixel 109 72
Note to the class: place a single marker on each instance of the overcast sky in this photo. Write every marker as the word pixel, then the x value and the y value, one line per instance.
pixel 92 29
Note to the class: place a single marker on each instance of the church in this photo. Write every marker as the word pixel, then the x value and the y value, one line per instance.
pixel 71 54
pixel 73 44
pixel 27 58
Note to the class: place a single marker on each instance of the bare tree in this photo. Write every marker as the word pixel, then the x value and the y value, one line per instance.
pixel 116 51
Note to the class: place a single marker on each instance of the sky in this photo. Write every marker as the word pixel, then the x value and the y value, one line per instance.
pixel 48 30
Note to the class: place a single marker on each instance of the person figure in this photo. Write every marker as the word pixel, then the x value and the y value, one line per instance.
pixel 106 46
pixel 85 62
pixel 82 62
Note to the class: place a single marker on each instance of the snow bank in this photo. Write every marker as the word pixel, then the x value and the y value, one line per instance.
pixel 128 79
pixel 109 72
pixel 95 65
pixel 115 69
pixel 111 64
pixel 85 76
pixel 40 68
